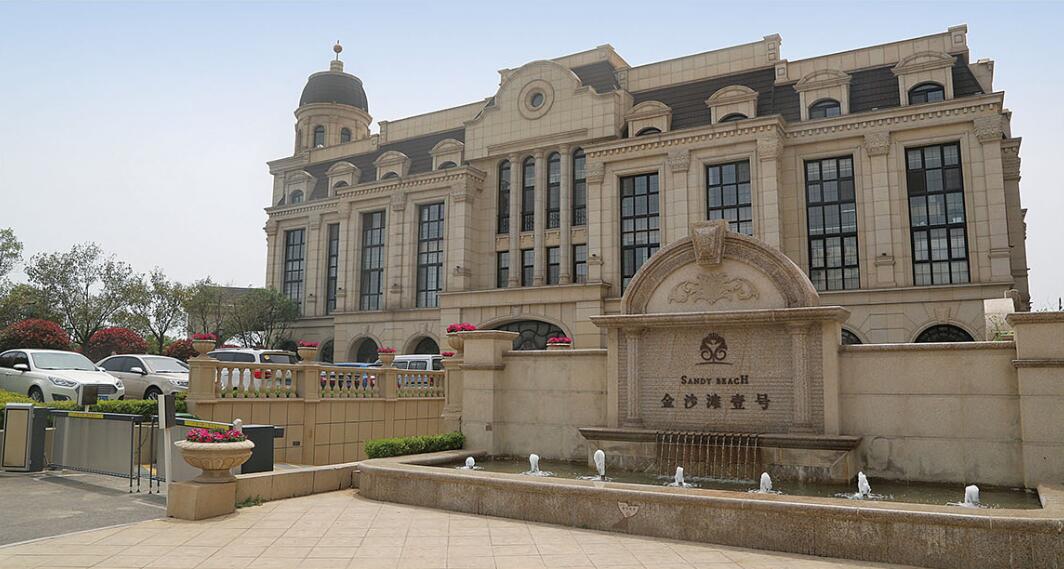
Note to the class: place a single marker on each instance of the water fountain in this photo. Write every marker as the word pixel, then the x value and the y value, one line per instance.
pixel 600 464
pixel 864 490
pixel 971 496
pixel 470 464
pixel 533 467
pixel 677 479
pixel 766 483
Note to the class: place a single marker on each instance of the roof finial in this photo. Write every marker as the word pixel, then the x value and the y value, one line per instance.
pixel 337 49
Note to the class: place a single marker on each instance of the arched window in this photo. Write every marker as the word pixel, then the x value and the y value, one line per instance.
pixel 926 93
pixel 554 190
pixel 345 135
pixel 528 195
pixel 325 354
pixel 366 351
pixel 340 184
pixel 319 136
pixel 849 338
pixel 825 108
pixel 579 188
pixel 944 333
pixel 733 117
pixel 390 176
pixel 427 346
pixel 503 215
pixel 446 165
pixel 532 334
pixel 650 130
pixel 295 197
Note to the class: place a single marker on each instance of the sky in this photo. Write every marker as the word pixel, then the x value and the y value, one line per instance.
pixel 146 127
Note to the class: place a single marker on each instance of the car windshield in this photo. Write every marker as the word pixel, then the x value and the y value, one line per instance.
pixel 166 365
pixel 62 360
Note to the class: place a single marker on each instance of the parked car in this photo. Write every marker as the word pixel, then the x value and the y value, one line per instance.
pixel 419 362
pixel 352 379
pixel 252 358
pixel 54 375
pixel 145 376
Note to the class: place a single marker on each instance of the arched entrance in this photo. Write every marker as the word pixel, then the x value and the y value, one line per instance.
pixel 532 334
pixel 364 351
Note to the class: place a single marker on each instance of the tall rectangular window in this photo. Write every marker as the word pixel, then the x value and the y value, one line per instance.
pixel 554 191
pixel 528 195
pixel 429 255
pixel 554 265
pixel 502 269
pixel 332 267
pixel 294 249
pixel 832 212
pixel 728 195
pixel 936 214
pixel 503 221
pixel 579 188
pixel 528 262
pixel 640 235
pixel 579 263
pixel 371 289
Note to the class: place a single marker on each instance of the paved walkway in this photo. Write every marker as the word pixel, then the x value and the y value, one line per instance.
pixel 344 530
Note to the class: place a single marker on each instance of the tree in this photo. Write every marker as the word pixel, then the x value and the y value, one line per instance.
pixel 10 252
pixel 261 317
pixel 110 341
pixel 156 307
pixel 207 308
pixel 180 349
pixel 25 302
pixel 34 333
pixel 85 287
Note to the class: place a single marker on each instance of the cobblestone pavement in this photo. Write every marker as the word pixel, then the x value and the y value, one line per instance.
pixel 344 530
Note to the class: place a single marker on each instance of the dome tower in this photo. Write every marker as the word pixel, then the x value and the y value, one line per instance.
pixel 332 109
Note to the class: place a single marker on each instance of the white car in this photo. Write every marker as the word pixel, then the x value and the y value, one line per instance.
pixel 249 362
pixel 54 375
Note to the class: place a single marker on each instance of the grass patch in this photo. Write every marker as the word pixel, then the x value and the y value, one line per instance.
pixel 250 501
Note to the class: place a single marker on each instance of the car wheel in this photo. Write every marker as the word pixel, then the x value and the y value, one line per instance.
pixel 36 394
pixel 152 393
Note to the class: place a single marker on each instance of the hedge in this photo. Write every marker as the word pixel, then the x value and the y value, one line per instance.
pixel 143 407
pixel 400 446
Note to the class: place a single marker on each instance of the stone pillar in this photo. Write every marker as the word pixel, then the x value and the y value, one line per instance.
pixel 769 151
pixel 1039 367
pixel 394 270
pixel 799 332
pixel 597 218
pixel 200 379
pixel 876 191
pixel 482 364
pixel 632 415
pixel 342 254
pixel 515 220
pixel 675 199
pixel 565 236
pixel 349 257
pixel 312 262
pixel 989 132
pixel 452 409
pixel 271 255
pixel 459 228
pixel 539 270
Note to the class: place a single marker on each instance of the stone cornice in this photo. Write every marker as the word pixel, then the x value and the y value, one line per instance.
pixel 736 317
pixel 523 146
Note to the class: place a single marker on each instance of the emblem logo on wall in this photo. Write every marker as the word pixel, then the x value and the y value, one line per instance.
pixel 714 349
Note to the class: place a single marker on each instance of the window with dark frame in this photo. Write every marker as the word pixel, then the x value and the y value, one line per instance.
pixel 825 108
pixel 579 263
pixel 579 188
pixel 831 213
pixel 648 131
pixel 528 195
pixel 554 265
pixel 728 195
pixel 528 263
pixel 319 136
pixel 640 234
pixel 554 190
pixel 429 255
pixel 927 93
pixel 733 117
pixel 371 289
pixel 332 267
pixel 345 135
pixel 294 249
pixel 936 214
pixel 503 224
pixel 502 269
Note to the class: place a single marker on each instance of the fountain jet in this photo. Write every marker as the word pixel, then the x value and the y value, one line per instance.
pixel 470 463
pixel 766 483
pixel 971 496
pixel 600 463
pixel 533 463
pixel 863 489
pixel 678 478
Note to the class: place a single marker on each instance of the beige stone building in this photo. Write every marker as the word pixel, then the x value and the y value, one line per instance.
pixel 888 174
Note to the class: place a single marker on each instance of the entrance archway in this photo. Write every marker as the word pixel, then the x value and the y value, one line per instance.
pixel 426 345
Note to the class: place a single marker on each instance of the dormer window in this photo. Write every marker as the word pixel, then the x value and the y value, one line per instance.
pixel 345 135
pixel 390 176
pixel 733 117
pixel 825 108
pixel 295 197
pixel 447 165
pixel 319 137
pixel 648 131
pixel 927 93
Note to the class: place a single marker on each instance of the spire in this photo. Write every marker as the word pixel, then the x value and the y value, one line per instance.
pixel 336 64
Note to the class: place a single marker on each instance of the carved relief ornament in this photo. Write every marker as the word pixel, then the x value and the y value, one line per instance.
pixel 708 240
pixel 988 129
pixel 877 143
pixel 711 288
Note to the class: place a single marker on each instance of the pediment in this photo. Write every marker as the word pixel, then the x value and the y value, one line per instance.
pixel 731 94
pixel 821 79
pixel 923 61
pixel 648 109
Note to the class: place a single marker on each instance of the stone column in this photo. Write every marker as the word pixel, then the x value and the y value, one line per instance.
pixel 515 220
pixel 989 132
pixel 394 272
pixel 271 255
pixel 596 219
pixel 565 235
pixel 799 332
pixel 452 409
pixel 876 191
pixel 459 228
pixel 766 198
pixel 539 270
pixel 312 263
pixel 482 365
pixel 342 255
pixel 1039 367
pixel 350 256
pixel 675 199
pixel 632 415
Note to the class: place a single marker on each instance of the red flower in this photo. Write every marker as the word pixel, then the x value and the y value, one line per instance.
pixel 560 340
pixel 206 436
pixel 460 327
pixel 447 354
pixel 205 336
pixel 307 344
pixel 386 350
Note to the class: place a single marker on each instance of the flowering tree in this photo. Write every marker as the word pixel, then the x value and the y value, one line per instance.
pixel 180 349
pixel 110 341
pixel 34 333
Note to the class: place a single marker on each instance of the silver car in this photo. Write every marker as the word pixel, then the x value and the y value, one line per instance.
pixel 145 377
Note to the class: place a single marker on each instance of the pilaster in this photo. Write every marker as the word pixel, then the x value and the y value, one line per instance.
pixel 596 218
pixel 271 254
pixel 989 132
pixel 459 238
pixel 395 268
pixel 350 255
pixel 540 221
pixel 769 151
pixel 313 257
pixel 676 202
pixel 515 220
pixel 876 191
pixel 565 237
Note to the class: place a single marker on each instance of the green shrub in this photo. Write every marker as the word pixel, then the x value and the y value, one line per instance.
pixel 143 407
pixel 10 397
pixel 400 446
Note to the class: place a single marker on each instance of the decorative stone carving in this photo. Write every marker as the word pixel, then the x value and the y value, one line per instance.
pixel 769 147
pixel 711 288
pixel 708 240
pixel 595 172
pixel 398 202
pixel 822 79
pixel 1010 159
pixel 989 129
pixel 679 160
pixel 877 143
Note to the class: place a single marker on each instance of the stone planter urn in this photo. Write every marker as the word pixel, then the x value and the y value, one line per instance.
pixel 386 359
pixel 215 459
pixel 202 347
pixel 307 354
pixel 455 341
